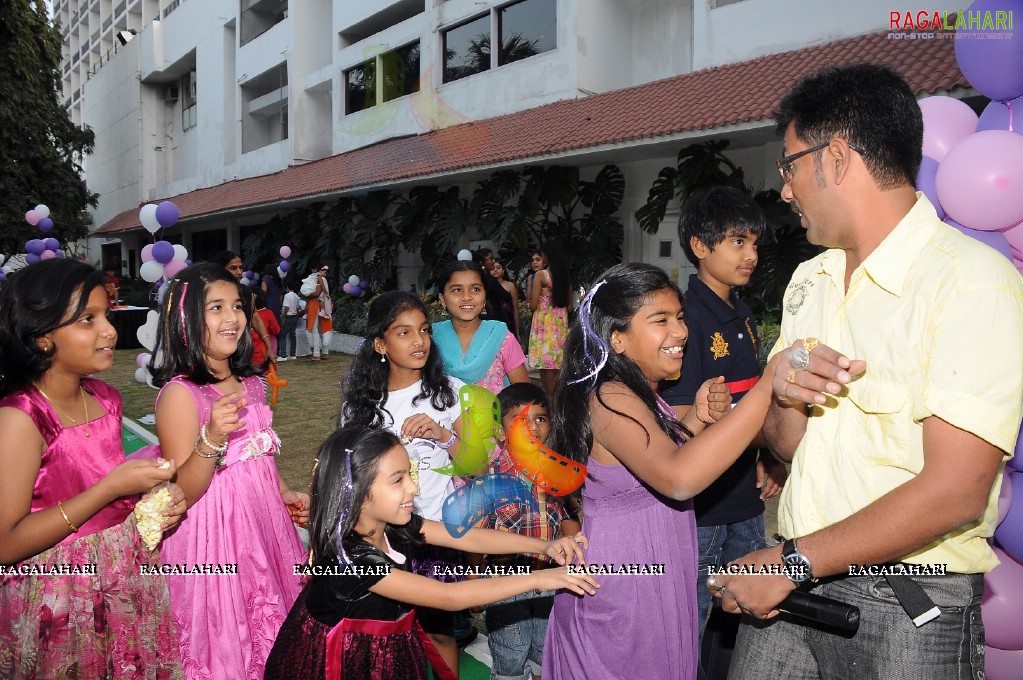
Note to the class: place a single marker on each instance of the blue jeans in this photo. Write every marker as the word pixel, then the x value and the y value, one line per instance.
pixel 719 545
pixel 516 629
pixel 887 645
pixel 287 337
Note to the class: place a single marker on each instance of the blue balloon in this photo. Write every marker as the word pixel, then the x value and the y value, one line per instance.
pixel 925 183
pixel 32 258
pixel 35 246
pixel 163 251
pixel 467 506
pixel 995 239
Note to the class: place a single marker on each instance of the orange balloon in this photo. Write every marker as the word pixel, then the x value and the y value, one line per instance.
pixel 552 472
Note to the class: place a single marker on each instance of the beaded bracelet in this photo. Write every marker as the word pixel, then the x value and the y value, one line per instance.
pixel 197 449
pixel 448 443
pixel 210 445
pixel 70 526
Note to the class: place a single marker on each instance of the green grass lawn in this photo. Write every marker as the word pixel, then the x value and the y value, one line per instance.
pixel 305 413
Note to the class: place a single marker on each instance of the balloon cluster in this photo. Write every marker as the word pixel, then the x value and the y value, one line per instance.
pixel 284 265
pixel 163 260
pixel 355 287
pixel 155 217
pixel 249 277
pixel 972 172
pixel 37 249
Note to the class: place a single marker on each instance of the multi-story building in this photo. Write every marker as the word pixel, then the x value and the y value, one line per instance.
pixel 240 109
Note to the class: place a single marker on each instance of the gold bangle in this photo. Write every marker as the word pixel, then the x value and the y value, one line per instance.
pixel 70 526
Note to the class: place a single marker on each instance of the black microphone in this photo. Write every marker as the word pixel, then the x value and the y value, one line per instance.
pixel 840 615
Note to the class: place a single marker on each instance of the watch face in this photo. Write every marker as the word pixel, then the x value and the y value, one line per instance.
pixel 797 567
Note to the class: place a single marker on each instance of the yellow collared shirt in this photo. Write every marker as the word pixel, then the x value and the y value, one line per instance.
pixel 938 317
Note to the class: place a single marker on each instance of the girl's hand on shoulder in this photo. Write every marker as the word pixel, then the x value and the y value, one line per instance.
pixel 177 507
pixel 138 476
pixel 298 506
pixel 713 400
pixel 224 418
pixel 568 549
pixel 559 578
pixel 423 426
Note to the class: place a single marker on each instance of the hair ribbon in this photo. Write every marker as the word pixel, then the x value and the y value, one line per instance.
pixel 596 363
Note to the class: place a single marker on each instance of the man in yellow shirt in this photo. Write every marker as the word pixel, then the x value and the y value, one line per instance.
pixel 904 466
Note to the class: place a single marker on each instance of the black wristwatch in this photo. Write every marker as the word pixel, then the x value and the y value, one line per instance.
pixel 797 566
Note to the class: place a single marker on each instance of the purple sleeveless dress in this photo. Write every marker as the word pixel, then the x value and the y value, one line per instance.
pixel 637 626
pixel 228 623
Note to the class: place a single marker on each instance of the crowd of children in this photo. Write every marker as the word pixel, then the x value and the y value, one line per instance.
pixel 382 579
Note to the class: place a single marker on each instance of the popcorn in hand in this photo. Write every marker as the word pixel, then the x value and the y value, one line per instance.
pixel 149 518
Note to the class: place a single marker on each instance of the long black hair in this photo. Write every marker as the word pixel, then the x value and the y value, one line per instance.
pixel 364 386
pixel 561 278
pixel 616 297
pixel 337 500
pixel 500 306
pixel 35 301
pixel 181 333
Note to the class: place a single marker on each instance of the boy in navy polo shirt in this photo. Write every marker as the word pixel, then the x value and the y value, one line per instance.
pixel 719 229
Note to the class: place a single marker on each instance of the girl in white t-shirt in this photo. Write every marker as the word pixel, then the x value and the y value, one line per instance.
pixel 397 382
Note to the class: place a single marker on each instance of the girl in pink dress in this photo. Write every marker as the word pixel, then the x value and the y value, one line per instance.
pixel 213 421
pixel 550 298
pixel 79 594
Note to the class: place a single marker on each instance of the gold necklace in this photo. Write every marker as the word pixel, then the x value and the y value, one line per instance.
pixel 85 407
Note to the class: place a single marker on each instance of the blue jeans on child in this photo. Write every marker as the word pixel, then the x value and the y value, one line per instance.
pixel 887 644
pixel 516 629
pixel 719 545
pixel 287 337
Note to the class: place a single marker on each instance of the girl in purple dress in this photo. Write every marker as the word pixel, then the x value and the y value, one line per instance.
pixel 214 423
pixel 641 477
pixel 79 594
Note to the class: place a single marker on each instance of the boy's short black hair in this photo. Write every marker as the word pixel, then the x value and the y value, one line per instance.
pixel 517 395
pixel 710 214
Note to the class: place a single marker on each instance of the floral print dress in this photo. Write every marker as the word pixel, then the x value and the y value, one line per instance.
pixel 228 621
pixel 548 331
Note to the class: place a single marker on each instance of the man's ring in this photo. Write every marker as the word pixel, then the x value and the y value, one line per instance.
pixel 713 584
pixel 791 377
pixel 799 359
pixel 810 343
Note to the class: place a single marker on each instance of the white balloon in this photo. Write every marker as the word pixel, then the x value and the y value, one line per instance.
pixel 151 271
pixel 255 276
pixel 147 215
pixel 464 255
pixel 180 252
pixel 245 281
pixel 162 293
pixel 353 279
pixel 42 211
pixel 146 334
pixel 141 375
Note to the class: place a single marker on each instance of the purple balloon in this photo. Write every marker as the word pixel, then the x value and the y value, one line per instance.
pixel 996 116
pixel 48 255
pixel 285 252
pixel 1009 533
pixel 995 239
pixel 1002 664
pixel 1005 496
pixel 990 57
pixel 35 246
pixel 925 183
pixel 163 251
pixel 946 121
pixel 31 258
pixel 980 181
pixel 45 225
pixel 59 254
pixel 171 269
pixel 1016 462
pixel 167 214
pixel 3 276
pixel 32 217
pixel 188 262
pixel 284 265
pixel 1003 599
pixel 363 284
pixel 51 244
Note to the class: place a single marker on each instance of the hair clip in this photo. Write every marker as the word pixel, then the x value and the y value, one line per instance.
pixel 346 497
pixel 181 312
pixel 584 319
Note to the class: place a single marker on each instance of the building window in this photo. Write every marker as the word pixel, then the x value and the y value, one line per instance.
pixel 259 16
pixel 361 87
pixel 189 109
pixel 664 249
pixel 265 109
pixel 467 49
pixel 527 28
pixel 399 70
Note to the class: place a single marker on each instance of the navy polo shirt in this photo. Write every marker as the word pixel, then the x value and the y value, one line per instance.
pixel 722 341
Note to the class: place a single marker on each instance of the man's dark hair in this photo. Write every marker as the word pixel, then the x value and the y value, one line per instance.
pixel 712 213
pixel 868 105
